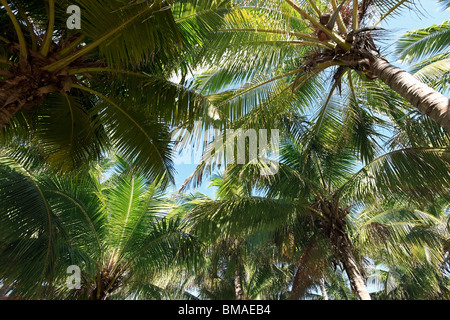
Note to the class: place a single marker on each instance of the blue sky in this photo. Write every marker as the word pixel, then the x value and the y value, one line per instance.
pixel 430 13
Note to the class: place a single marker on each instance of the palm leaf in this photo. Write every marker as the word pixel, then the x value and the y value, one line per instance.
pixel 422 42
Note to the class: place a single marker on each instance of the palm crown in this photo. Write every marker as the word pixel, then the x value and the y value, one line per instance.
pixel 113 228
pixel 84 92
pixel 271 70
pixel 270 47
pixel 320 183
pixel 54 106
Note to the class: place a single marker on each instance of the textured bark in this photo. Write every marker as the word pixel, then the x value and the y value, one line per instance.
pixel 421 96
pixel 354 274
pixel 7 113
pixel 309 271
pixel 323 289
pixel 335 230
pixel 18 94
pixel 237 285
pixel 27 83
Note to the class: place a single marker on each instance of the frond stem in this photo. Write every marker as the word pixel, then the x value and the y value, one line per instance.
pixel 355 22
pixel 275 31
pixel 341 42
pixel 66 61
pixel 51 26
pixel 15 22
pixel 261 84
pixel 340 22
pixel 390 11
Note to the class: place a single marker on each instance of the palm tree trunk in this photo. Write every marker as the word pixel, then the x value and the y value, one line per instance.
pixel 421 96
pixel 237 273
pixel 323 289
pixel 354 274
pixel 356 280
pixel 238 285
pixel 342 247
pixel 304 276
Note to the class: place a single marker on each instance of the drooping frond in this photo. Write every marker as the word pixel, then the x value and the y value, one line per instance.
pixel 31 232
pixel 415 174
pixel 240 215
pixel 424 42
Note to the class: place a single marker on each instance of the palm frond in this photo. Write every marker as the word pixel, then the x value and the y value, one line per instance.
pixel 423 42
pixel 416 174
pixel 31 232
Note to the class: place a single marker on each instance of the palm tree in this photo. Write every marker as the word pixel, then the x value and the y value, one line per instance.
pixel 112 227
pixel 266 47
pixel 410 245
pixel 252 70
pixel 78 93
pixel 343 131
pixel 322 181
pixel 236 267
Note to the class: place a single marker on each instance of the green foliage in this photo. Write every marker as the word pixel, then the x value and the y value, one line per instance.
pixel 354 156
pixel 430 47
pixel 114 230
pixel 135 112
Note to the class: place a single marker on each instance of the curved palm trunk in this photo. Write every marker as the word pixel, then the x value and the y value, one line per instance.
pixel 356 279
pixel 307 268
pixel 421 96
pixel 323 289
pixel 237 285
pixel 237 274
pixel 344 247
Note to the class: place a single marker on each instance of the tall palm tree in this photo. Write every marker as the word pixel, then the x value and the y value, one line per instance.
pixel 409 243
pixel 112 227
pixel 322 180
pixel 241 267
pixel 280 44
pixel 328 151
pixel 78 93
